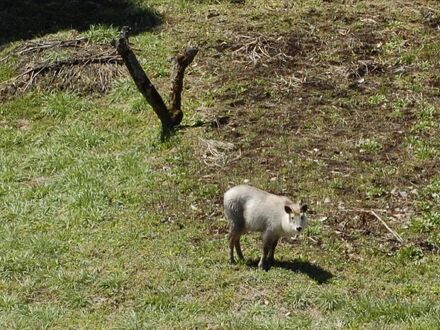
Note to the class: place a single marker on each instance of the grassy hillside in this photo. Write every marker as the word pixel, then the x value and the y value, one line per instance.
pixel 104 226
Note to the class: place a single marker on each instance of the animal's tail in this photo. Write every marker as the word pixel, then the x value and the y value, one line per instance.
pixel 234 213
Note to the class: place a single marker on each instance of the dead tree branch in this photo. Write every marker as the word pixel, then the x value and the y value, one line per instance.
pixel 169 116
pixel 180 64
pixel 142 82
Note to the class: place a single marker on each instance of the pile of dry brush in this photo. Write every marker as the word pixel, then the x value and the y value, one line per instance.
pixel 74 64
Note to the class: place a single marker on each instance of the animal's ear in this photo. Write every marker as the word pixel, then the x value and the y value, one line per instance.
pixel 304 208
pixel 287 209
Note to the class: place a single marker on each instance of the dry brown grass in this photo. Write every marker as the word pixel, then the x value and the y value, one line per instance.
pixel 73 65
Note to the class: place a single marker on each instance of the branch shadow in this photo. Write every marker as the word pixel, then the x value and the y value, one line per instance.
pixel 218 122
pixel 26 19
pixel 315 272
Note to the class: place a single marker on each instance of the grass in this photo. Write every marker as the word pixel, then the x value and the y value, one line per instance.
pixel 104 226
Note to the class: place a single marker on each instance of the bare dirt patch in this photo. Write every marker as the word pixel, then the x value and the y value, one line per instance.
pixel 327 109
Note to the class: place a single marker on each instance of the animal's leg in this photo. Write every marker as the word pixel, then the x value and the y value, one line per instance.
pixel 272 251
pixel 238 247
pixel 234 213
pixel 267 244
pixel 232 240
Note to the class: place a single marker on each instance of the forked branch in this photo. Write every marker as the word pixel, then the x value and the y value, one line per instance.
pixel 169 116
pixel 180 64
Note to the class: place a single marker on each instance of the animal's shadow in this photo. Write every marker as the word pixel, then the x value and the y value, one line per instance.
pixel 315 272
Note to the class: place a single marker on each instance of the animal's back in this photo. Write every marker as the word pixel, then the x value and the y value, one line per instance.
pixel 241 195
pixel 247 207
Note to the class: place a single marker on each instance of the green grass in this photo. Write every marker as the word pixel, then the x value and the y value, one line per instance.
pixel 100 33
pixel 103 226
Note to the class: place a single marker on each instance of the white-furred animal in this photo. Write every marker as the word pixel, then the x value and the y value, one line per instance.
pixel 250 209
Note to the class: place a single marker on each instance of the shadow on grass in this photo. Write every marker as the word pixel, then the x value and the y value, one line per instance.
pixel 316 273
pixel 27 19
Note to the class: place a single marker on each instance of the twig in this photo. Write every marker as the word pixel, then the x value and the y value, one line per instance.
pixel 312 239
pixel 38 46
pixel 395 234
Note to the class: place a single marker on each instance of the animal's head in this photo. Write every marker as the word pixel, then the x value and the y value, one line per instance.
pixel 297 215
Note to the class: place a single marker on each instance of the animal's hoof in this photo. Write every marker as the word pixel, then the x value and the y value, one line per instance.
pixel 263 266
pixel 232 262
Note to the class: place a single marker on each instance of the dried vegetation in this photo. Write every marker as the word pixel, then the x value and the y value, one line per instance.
pixel 76 65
